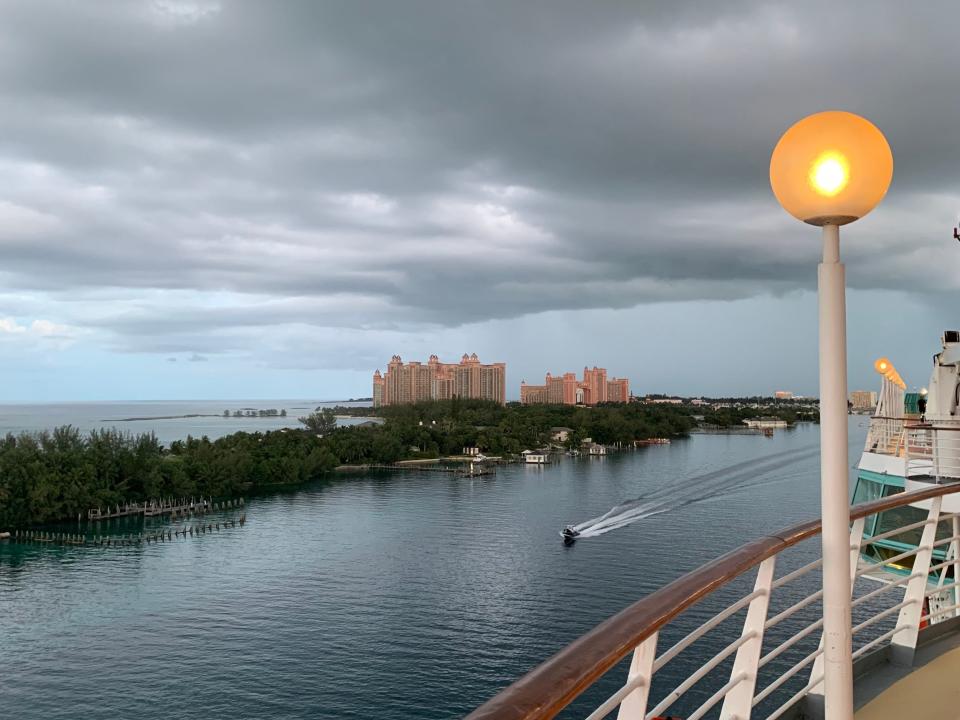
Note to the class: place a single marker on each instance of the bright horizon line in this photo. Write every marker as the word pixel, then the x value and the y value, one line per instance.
pixel 302 399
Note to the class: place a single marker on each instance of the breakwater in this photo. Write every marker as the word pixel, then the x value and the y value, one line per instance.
pixel 62 538
pixel 180 507
pixel 472 471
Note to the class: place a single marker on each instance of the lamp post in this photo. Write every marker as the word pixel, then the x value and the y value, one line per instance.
pixel 830 169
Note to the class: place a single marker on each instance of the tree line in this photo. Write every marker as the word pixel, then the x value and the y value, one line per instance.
pixel 59 474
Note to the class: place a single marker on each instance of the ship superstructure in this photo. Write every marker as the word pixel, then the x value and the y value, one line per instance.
pixel 766 652
pixel 913 442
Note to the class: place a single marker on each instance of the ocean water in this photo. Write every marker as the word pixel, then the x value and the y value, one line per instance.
pixel 393 596
pixel 163 418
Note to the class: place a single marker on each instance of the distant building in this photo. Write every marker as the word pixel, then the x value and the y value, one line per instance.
pixel 532 457
pixel 567 390
pixel 560 434
pixel 665 401
pixel 863 399
pixel 765 423
pixel 783 395
pixel 415 382
pixel 618 390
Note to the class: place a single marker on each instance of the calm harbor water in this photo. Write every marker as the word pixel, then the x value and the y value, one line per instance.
pixel 389 596
pixel 162 417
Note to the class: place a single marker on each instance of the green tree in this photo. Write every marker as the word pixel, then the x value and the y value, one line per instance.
pixel 321 423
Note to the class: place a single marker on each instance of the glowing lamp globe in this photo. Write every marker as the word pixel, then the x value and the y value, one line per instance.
pixel 831 168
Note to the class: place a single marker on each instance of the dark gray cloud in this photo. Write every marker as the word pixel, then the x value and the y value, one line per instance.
pixel 182 175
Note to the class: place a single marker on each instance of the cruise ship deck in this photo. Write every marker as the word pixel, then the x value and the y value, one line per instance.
pixel 905 631
pixel 888 692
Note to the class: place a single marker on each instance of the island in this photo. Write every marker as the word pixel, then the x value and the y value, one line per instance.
pixel 58 474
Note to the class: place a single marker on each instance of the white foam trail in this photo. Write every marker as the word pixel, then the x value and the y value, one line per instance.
pixel 623 520
pixel 703 487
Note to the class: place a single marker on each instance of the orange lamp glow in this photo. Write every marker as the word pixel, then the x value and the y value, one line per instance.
pixel 884 367
pixel 831 168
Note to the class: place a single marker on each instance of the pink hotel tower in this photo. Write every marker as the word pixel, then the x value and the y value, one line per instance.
pixel 414 381
pixel 567 390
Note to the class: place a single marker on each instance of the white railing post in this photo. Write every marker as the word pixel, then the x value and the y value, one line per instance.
pixel 739 699
pixel 815 696
pixel 634 705
pixel 904 641
pixel 935 453
pixel 955 533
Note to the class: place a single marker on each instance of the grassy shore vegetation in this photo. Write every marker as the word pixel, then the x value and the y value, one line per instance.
pixel 734 417
pixel 56 475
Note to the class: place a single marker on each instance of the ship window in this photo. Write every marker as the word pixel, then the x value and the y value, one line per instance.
pixel 898 517
pixel 866 491
pixel 907 515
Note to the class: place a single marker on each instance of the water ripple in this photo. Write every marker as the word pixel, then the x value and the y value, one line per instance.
pixel 404 596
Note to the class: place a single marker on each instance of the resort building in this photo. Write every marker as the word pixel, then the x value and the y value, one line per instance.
pixel 560 434
pixel 618 390
pixel 765 423
pixel 415 381
pixel 783 395
pixel 863 399
pixel 565 389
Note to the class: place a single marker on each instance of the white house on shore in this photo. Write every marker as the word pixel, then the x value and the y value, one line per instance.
pixel 534 457
pixel 560 434
pixel 765 423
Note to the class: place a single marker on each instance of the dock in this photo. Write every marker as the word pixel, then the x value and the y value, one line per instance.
pixel 176 507
pixel 126 539
pixel 433 467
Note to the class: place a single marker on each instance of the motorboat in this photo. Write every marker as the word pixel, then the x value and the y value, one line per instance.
pixel 904 534
pixel 569 534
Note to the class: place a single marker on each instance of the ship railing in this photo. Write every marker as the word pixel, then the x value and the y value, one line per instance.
pixel 885 436
pixel 742 634
pixel 933 449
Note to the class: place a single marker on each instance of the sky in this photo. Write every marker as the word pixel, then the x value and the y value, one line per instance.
pixel 226 199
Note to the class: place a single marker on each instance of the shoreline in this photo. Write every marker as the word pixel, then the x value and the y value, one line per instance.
pixel 253 455
pixel 164 417
pixel 190 416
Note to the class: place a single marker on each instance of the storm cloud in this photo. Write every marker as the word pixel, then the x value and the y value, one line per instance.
pixel 197 177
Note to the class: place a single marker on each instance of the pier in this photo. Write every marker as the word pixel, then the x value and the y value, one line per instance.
pixel 129 539
pixel 472 471
pixel 181 507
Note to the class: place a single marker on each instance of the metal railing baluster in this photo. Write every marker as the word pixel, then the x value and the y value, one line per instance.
pixel 903 644
pixel 739 698
pixel 634 705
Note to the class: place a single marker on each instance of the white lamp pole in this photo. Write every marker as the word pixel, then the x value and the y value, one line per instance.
pixel 831 169
pixel 834 493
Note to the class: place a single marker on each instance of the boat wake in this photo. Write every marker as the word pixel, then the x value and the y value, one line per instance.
pixel 733 478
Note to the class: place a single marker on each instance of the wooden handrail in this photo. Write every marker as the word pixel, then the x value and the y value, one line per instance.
pixel 547 689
